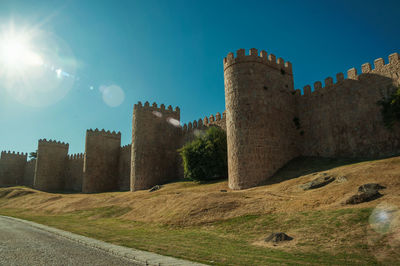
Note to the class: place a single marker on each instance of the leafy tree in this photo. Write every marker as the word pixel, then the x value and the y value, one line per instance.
pixel 33 155
pixel 205 158
pixel 390 108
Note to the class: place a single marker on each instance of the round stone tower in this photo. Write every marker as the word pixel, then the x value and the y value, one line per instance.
pixel 261 116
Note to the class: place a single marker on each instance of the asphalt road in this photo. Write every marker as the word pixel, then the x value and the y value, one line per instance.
pixel 21 244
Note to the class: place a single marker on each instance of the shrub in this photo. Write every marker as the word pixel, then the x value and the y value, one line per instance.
pixel 205 158
pixel 390 108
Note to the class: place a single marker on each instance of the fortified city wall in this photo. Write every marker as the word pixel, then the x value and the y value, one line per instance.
pixel 12 168
pixel 29 173
pixel 74 172
pixel 268 123
pixel 156 136
pixel 124 168
pixel 343 119
pixel 50 165
pixel 100 168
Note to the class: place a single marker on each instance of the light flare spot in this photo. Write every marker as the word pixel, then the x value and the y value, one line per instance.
pixel 158 114
pixel 173 122
pixel 113 95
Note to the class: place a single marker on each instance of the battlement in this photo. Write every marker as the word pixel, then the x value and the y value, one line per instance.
pixel 76 156
pixel 205 122
pixel 13 154
pixel 126 147
pixel 262 58
pixel 379 65
pixel 53 142
pixel 108 133
pixel 154 108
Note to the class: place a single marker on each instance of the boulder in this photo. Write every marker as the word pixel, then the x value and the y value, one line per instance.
pixel 156 187
pixel 365 196
pixel 370 186
pixel 318 182
pixel 278 237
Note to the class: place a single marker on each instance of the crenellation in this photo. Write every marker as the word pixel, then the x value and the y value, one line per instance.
pixel 272 59
pixel 307 90
pixel 328 81
pixel 379 63
pixel 394 58
pixel 352 73
pixel 366 68
pixel 205 121
pixel 317 85
pixel 211 118
pixel 262 58
pixel 104 133
pixel 339 77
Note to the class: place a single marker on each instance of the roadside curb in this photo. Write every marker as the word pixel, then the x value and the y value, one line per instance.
pixel 134 255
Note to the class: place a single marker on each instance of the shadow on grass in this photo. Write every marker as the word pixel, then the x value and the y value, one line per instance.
pixel 307 165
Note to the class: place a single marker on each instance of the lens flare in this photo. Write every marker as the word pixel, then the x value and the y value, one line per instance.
pixel 173 122
pixel 158 114
pixel 37 68
pixel 113 95
pixel 384 231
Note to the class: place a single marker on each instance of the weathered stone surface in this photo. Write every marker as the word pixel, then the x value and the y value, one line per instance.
pixel 100 171
pixel 260 108
pixel 12 168
pixel 370 186
pixel 341 119
pixel 318 182
pixel 364 197
pixel 50 165
pixel 278 237
pixel 156 136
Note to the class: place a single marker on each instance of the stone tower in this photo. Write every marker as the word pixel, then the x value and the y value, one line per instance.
pixel 12 168
pixel 156 136
pixel 261 110
pixel 50 165
pixel 100 165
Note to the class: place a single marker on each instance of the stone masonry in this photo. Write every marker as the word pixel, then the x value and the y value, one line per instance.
pixel 268 123
pixel 12 168
pixel 50 165
pixel 100 167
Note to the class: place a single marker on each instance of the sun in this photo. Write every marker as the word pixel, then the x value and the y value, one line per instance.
pixel 16 52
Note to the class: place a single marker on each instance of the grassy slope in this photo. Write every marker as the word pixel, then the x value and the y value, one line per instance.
pixel 199 222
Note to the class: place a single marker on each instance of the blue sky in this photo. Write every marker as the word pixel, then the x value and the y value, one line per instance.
pixel 171 52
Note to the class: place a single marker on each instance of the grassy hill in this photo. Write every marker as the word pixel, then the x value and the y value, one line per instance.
pixel 212 224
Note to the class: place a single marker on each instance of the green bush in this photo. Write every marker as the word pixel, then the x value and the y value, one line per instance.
pixel 390 108
pixel 205 158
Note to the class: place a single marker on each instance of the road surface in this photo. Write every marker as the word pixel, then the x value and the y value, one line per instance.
pixel 22 244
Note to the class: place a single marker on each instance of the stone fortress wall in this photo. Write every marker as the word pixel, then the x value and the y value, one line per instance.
pixel 100 167
pixel 12 168
pixel 267 121
pixel 50 165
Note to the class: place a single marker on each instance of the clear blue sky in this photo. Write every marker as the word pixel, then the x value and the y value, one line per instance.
pixel 171 52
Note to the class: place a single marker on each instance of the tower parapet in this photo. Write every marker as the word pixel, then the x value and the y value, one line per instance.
pixel 254 57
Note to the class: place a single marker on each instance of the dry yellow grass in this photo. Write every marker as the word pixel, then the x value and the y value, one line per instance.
pixel 188 203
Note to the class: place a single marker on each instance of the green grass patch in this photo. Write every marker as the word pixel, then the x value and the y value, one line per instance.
pixel 229 242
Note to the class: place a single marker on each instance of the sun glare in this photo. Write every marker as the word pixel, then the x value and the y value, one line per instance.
pixel 37 67
pixel 16 52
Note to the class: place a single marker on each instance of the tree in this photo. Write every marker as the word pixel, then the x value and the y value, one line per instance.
pixel 205 158
pixel 33 155
pixel 390 108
